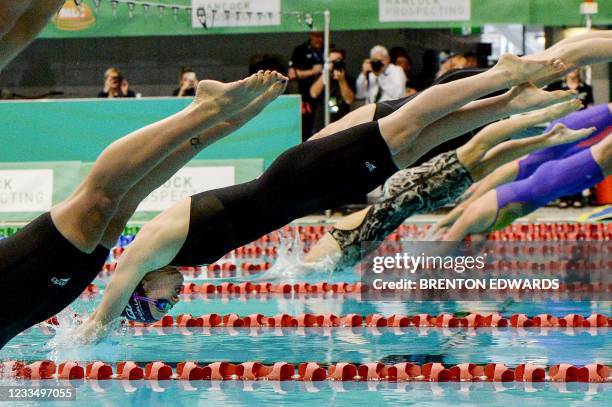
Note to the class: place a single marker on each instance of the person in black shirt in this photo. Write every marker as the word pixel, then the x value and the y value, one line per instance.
pixel 306 63
pixel 188 81
pixel 342 91
pixel 573 81
pixel 115 85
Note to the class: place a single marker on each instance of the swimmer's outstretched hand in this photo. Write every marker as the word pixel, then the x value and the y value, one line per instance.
pixel 90 332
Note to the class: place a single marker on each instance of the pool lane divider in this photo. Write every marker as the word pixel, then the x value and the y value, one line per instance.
pixel 322 287
pixel 308 371
pixel 444 320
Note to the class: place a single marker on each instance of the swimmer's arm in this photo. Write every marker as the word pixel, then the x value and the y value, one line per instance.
pixel 502 175
pixel 27 27
pixel 507 152
pixel 477 217
pixel 513 149
pixel 490 136
pixel 157 243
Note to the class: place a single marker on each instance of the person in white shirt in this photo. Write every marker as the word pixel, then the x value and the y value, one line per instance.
pixel 380 80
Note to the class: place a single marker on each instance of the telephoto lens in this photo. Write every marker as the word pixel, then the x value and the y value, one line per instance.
pixel 376 65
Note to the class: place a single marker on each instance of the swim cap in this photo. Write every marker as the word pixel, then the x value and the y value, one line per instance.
pixel 138 310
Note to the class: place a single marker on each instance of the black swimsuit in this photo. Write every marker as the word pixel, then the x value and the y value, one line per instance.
pixel 40 274
pixel 313 176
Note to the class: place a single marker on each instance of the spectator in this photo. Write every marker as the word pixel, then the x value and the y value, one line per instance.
pixel 188 82
pixel 471 60
pixel 400 57
pixel 573 81
pixel 341 90
pixel 306 63
pixel 115 85
pixel 379 79
pixel 266 62
pixel 450 62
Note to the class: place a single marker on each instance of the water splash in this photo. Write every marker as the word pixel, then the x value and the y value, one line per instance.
pixel 289 265
pixel 68 344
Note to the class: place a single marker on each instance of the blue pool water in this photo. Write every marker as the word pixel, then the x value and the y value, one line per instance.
pixel 328 345
pixel 239 394
pixel 511 346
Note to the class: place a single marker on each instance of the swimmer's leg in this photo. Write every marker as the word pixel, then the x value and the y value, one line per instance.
pixel 499 207
pixel 179 158
pixel 401 128
pixel 513 149
pixel 593 34
pixel 362 115
pixel 84 216
pixel 576 54
pixel 482 154
pixel 10 12
pixel 502 175
pixel 20 23
pixel 479 113
pixel 602 154
pixel 507 172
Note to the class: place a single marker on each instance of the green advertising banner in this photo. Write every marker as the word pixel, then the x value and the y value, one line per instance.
pixel 45 142
pixel 159 17
pixel 31 188
pixel 28 189
pixel 78 130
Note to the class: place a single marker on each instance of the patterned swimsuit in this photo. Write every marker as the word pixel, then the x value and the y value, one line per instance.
pixel 425 188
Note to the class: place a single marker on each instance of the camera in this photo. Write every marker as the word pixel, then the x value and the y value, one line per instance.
pixel 339 65
pixel 376 64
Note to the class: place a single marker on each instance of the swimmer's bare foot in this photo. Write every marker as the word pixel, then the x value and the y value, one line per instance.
pixel 217 101
pixel 520 70
pixel 560 134
pixel 326 249
pixel 561 109
pixel 527 97
pixel 276 84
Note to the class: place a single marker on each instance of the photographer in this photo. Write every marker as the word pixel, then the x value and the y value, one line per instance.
pixel 379 79
pixel 188 81
pixel 115 85
pixel 341 87
pixel 305 65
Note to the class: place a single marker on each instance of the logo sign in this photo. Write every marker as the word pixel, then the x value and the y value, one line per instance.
pixel 234 13
pixel 186 182
pixel 26 190
pixel 60 281
pixel 424 10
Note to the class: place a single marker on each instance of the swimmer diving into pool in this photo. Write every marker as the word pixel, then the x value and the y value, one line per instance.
pixel 315 175
pixel 436 183
pixel 599 116
pixel 499 207
pixel 50 261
